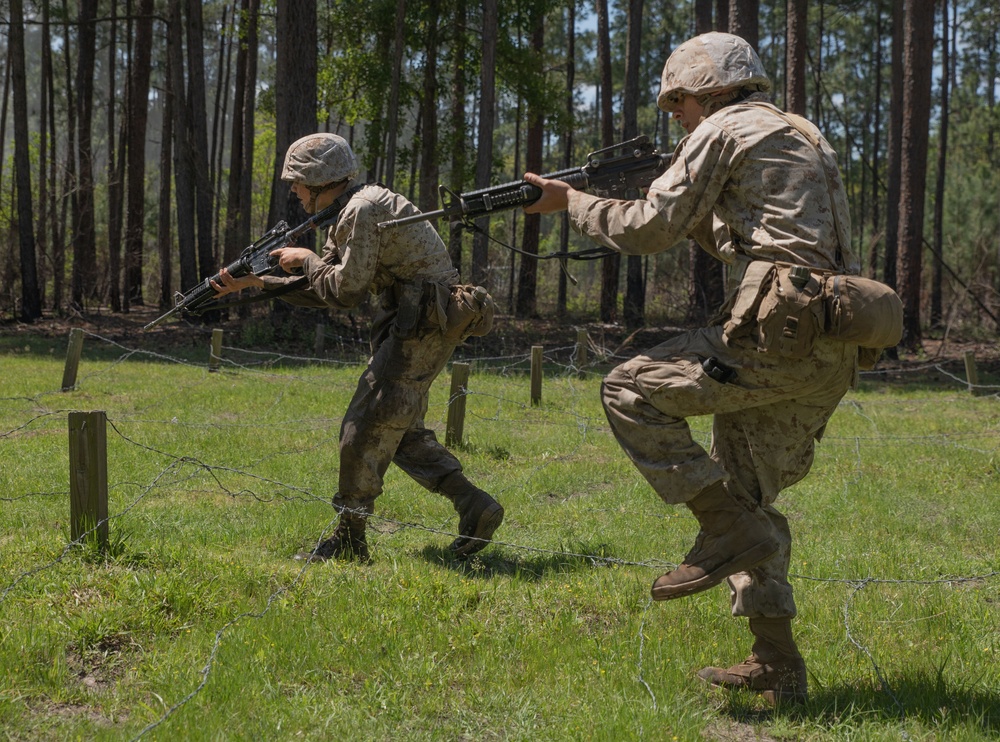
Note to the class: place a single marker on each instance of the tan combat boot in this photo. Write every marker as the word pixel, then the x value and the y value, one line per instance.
pixel 479 515
pixel 775 669
pixel 731 540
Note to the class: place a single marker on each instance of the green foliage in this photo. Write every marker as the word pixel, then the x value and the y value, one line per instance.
pixel 200 625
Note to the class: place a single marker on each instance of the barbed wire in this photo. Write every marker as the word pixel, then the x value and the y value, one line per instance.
pixel 583 424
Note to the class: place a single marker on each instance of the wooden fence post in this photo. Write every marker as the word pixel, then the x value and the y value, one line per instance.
pixel 215 354
pixel 72 359
pixel 319 341
pixel 971 373
pixel 581 352
pixel 88 476
pixel 456 404
pixel 536 374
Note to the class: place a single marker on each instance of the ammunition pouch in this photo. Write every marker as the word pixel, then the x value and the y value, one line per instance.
pixel 790 316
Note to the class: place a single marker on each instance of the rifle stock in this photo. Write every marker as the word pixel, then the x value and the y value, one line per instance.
pixel 613 176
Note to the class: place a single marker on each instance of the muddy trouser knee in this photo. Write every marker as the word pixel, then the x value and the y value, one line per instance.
pixel 384 421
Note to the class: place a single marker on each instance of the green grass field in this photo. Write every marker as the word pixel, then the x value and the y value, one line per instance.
pixel 196 624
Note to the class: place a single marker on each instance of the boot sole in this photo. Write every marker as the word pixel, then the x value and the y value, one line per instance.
pixel 741 563
pixel 774 697
pixel 489 521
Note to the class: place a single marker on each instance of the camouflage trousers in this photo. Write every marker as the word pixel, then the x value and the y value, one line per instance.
pixel 384 422
pixel 766 420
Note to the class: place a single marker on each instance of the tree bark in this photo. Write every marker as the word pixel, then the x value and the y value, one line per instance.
pixel 795 56
pixel 45 141
pixel 527 283
pixel 136 195
pixel 184 187
pixel 937 270
pixel 484 156
pixel 721 15
pixel 393 114
pixel 918 53
pixel 458 132
pixel 564 228
pixel 164 228
pixel 634 306
pixel 610 266
pixel 706 288
pixel 84 237
pixel 114 180
pixel 220 112
pixel 69 199
pixel 31 303
pixel 295 99
pixel 429 171
pixel 196 101
pixel 877 63
pixel 743 20
pixel 241 154
pixel 894 146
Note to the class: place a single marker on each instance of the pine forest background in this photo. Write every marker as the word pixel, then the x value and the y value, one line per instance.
pixel 140 141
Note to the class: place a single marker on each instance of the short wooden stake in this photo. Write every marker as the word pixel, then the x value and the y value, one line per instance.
pixel 971 373
pixel 536 374
pixel 215 355
pixel 581 352
pixel 88 477
pixel 72 359
pixel 319 340
pixel 456 404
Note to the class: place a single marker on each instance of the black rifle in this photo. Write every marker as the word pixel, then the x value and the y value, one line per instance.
pixel 613 176
pixel 255 259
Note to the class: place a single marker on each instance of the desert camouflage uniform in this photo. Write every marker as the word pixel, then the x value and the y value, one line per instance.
pixel 384 421
pixel 747 187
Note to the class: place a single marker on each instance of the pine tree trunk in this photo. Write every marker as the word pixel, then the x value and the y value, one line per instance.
pixel 136 155
pixel 484 155
pixel 31 303
pixel 918 53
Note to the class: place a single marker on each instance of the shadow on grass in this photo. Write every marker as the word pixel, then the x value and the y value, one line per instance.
pixel 530 566
pixel 930 701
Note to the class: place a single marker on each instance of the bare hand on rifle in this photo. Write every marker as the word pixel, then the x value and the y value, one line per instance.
pixel 230 285
pixel 555 195
pixel 289 258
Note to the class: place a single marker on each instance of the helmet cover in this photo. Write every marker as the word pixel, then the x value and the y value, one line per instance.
pixel 319 159
pixel 709 63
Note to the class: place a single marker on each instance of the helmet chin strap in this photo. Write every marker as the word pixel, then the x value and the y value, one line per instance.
pixel 316 191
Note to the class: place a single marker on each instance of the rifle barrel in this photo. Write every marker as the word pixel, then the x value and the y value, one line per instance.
pixel 413 219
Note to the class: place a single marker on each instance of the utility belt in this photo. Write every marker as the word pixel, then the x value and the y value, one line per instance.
pixel 791 305
pixel 458 311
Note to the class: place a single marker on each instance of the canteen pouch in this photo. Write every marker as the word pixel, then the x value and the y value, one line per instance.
pixel 790 315
pixel 862 311
pixel 462 311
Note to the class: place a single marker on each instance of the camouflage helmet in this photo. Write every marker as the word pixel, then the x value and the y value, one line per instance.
pixel 709 63
pixel 319 159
